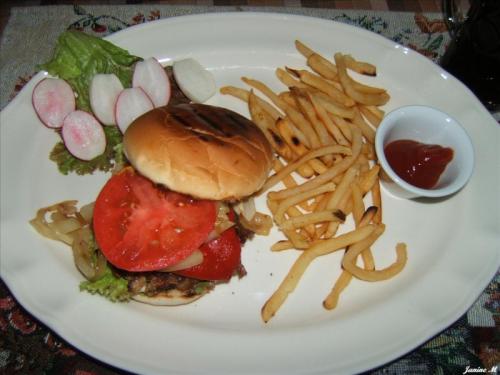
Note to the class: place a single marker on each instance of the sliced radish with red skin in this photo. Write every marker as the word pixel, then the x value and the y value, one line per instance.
pixel 131 103
pixel 83 135
pixel 53 99
pixel 150 75
pixel 196 82
pixel 104 91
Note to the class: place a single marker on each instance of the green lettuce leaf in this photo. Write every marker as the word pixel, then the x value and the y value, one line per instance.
pixel 79 56
pixel 105 162
pixel 108 285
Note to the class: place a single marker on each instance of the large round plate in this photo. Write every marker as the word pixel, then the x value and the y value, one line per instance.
pixel 453 243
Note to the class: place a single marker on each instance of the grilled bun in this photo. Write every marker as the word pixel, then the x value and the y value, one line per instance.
pixel 173 297
pixel 205 151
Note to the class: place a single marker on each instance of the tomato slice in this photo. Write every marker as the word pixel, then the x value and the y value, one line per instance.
pixel 140 227
pixel 221 257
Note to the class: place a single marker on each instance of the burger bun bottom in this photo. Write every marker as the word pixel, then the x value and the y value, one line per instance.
pixel 172 297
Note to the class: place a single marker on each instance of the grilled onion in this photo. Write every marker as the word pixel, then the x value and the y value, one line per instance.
pixel 193 260
pixel 64 222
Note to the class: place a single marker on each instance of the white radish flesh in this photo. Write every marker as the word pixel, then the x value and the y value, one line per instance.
pixel 83 135
pixel 153 79
pixel 131 103
pixel 53 99
pixel 104 91
pixel 197 83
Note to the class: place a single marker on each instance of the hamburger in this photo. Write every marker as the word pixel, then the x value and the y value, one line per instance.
pixel 166 223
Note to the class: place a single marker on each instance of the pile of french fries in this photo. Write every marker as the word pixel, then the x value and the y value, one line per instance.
pixel 322 129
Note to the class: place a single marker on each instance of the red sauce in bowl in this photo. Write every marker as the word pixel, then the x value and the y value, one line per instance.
pixel 418 163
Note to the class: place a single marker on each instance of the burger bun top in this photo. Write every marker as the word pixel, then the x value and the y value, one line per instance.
pixel 204 151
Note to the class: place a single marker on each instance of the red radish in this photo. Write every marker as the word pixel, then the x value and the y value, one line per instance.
pixel 104 91
pixel 153 79
pixel 197 83
pixel 83 135
pixel 131 103
pixel 53 99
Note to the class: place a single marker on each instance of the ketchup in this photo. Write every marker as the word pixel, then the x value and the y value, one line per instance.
pixel 418 163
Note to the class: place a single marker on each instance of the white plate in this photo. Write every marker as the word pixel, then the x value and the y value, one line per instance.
pixel 453 244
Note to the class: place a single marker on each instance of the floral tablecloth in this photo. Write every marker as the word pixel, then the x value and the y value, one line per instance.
pixel 28 347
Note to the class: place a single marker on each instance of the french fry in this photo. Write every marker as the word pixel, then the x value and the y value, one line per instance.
pixel 245 94
pixel 312 218
pixel 303 49
pixel 331 173
pixel 289 134
pixel 307 108
pixel 289 81
pixel 360 67
pixel 282 245
pixel 345 277
pixel 356 94
pixel 370 115
pixel 367 130
pixel 324 86
pixel 358 208
pixel 334 107
pixel 288 98
pixel 344 126
pixel 364 165
pixel 295 116
pixel 331 301
pixel 266 123
pixel 369 151
pixel 298 269
pixel 369 179
pixel 289 182
pixel 290 201
pixel 340 285
pixel 377 112
pixel 342 189
pixel 323 67
pixel 296 239
pixel 291 167
pixel 328 123
pixel 368 216
pixel 266 91
pixel 377 201
pixel 348 262
pixel 358 213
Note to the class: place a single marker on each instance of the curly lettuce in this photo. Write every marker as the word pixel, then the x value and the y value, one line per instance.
pixel 109 286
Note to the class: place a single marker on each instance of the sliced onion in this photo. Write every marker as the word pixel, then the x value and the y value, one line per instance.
pixel 246 208
pixel 72 227
pixel 87 211
pixel 92 267
pixel 60 210
pixel 260 223
pixel 219 228
pixel 66 225
pixel 222 222
pixel 193 260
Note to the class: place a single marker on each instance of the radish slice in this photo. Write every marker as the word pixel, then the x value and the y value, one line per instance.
pixel 83 135
pixel 131 104
pixel 53 99
pixel 104 91
pixel 153 79
pixel 197 83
